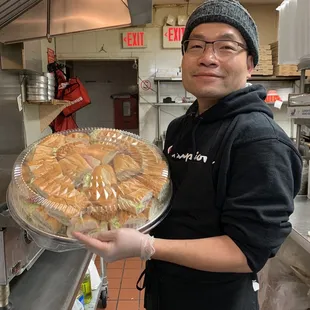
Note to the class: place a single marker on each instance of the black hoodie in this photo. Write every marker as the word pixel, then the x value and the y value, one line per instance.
pixel 255 175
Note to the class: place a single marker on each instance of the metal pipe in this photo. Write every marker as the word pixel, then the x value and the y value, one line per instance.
pixel 302 81
pixel 301 91
pixel 158 111
pixel 298 134
pixel 159 121
pixel 48 21
pixel 4 295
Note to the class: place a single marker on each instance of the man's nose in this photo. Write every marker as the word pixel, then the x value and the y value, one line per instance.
pixel 208 56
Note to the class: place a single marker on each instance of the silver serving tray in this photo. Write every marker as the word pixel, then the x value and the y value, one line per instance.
pixel 58 243
pixel 55 243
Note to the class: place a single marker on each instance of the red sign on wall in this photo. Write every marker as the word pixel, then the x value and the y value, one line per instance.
pixel 50 56
pixel 172 36
pixel 134 39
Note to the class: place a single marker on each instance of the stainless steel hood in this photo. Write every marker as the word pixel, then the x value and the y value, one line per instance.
pixel 11 9
pixel 35 19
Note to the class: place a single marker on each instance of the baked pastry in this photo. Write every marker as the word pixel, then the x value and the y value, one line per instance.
pixel 48 185
pixel 67 206
pixel 125 167
pixel 160 186
pixel 34 164
pixel 53 141
pixel 106 135
pixel 153 209
pixel 91 182
pixel 104 152
pixel 126 219
pixel 100 195
pixel 74 166
pixel 70 148
pixel 79 137
pixel 43 221
pixel 133 196
pixel 42 152
pixel 132 149
pixel 159 170
pixel 104 175
pixel 51 168
pixel 85 224
pixel 149 155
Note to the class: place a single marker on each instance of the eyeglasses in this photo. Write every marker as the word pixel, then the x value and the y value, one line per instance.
pixel 222 49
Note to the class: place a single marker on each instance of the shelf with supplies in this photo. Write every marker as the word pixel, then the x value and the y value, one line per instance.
pixel 253 78
pixel 169 104
pixel 299 108
pixel 168 79
pixel 173 104
pixel 49 102
pixel 158 104
pixel 299 105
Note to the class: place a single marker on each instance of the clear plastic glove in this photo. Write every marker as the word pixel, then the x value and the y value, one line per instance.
pixel 119 244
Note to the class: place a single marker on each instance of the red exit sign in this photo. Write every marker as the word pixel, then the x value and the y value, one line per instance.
pixel 172 36
pixel 133 39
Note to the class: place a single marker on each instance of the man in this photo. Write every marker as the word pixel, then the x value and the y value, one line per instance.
pixel 230 211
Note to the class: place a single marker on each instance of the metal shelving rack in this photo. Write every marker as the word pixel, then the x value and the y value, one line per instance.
pixel 158 140
pixel 101 293
pixel 299 104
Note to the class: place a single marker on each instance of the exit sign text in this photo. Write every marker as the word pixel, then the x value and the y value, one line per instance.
pixel 172 36
pixel 133 39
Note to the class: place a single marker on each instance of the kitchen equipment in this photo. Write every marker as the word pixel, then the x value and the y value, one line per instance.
pixel 50 95
pixel 40 88
pixel 50 77
pixel 25 199
pixel 37 91
pixel 33 79
pixel 34 19
pixel 18 251
pixel 38 98
pixel 50 88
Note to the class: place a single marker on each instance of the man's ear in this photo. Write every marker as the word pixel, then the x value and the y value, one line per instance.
pixel 250 66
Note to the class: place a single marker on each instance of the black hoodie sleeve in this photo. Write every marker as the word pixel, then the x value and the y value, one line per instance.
pixel 263 180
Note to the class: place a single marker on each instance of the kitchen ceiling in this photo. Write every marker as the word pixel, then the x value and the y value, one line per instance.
pixel 200 1
pixel 11 9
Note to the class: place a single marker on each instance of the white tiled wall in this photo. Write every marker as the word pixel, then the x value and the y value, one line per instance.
pixel 152 58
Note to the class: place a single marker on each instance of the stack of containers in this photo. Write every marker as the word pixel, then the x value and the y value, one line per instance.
pixel 40 88
pixel 50 85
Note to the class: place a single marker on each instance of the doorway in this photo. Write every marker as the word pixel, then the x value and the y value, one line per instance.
pixel 112 86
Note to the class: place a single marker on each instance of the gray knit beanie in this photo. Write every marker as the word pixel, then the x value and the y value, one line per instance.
pixel 229 12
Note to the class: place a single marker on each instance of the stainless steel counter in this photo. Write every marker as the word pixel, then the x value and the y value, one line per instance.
pixel 52 283
pixel 300 220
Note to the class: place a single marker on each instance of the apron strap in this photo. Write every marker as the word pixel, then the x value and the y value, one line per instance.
pixel 141 288
pixel 151 285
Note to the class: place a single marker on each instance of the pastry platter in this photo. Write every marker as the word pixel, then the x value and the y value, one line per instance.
pixel 88 180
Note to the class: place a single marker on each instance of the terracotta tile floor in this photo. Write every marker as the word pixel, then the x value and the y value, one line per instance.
pixel 122 292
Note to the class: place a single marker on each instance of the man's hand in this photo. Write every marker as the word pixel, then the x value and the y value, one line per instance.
pixel 217 254
pixel 118 244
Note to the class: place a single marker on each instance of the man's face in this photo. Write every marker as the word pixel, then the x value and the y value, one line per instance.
pixel 208 76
